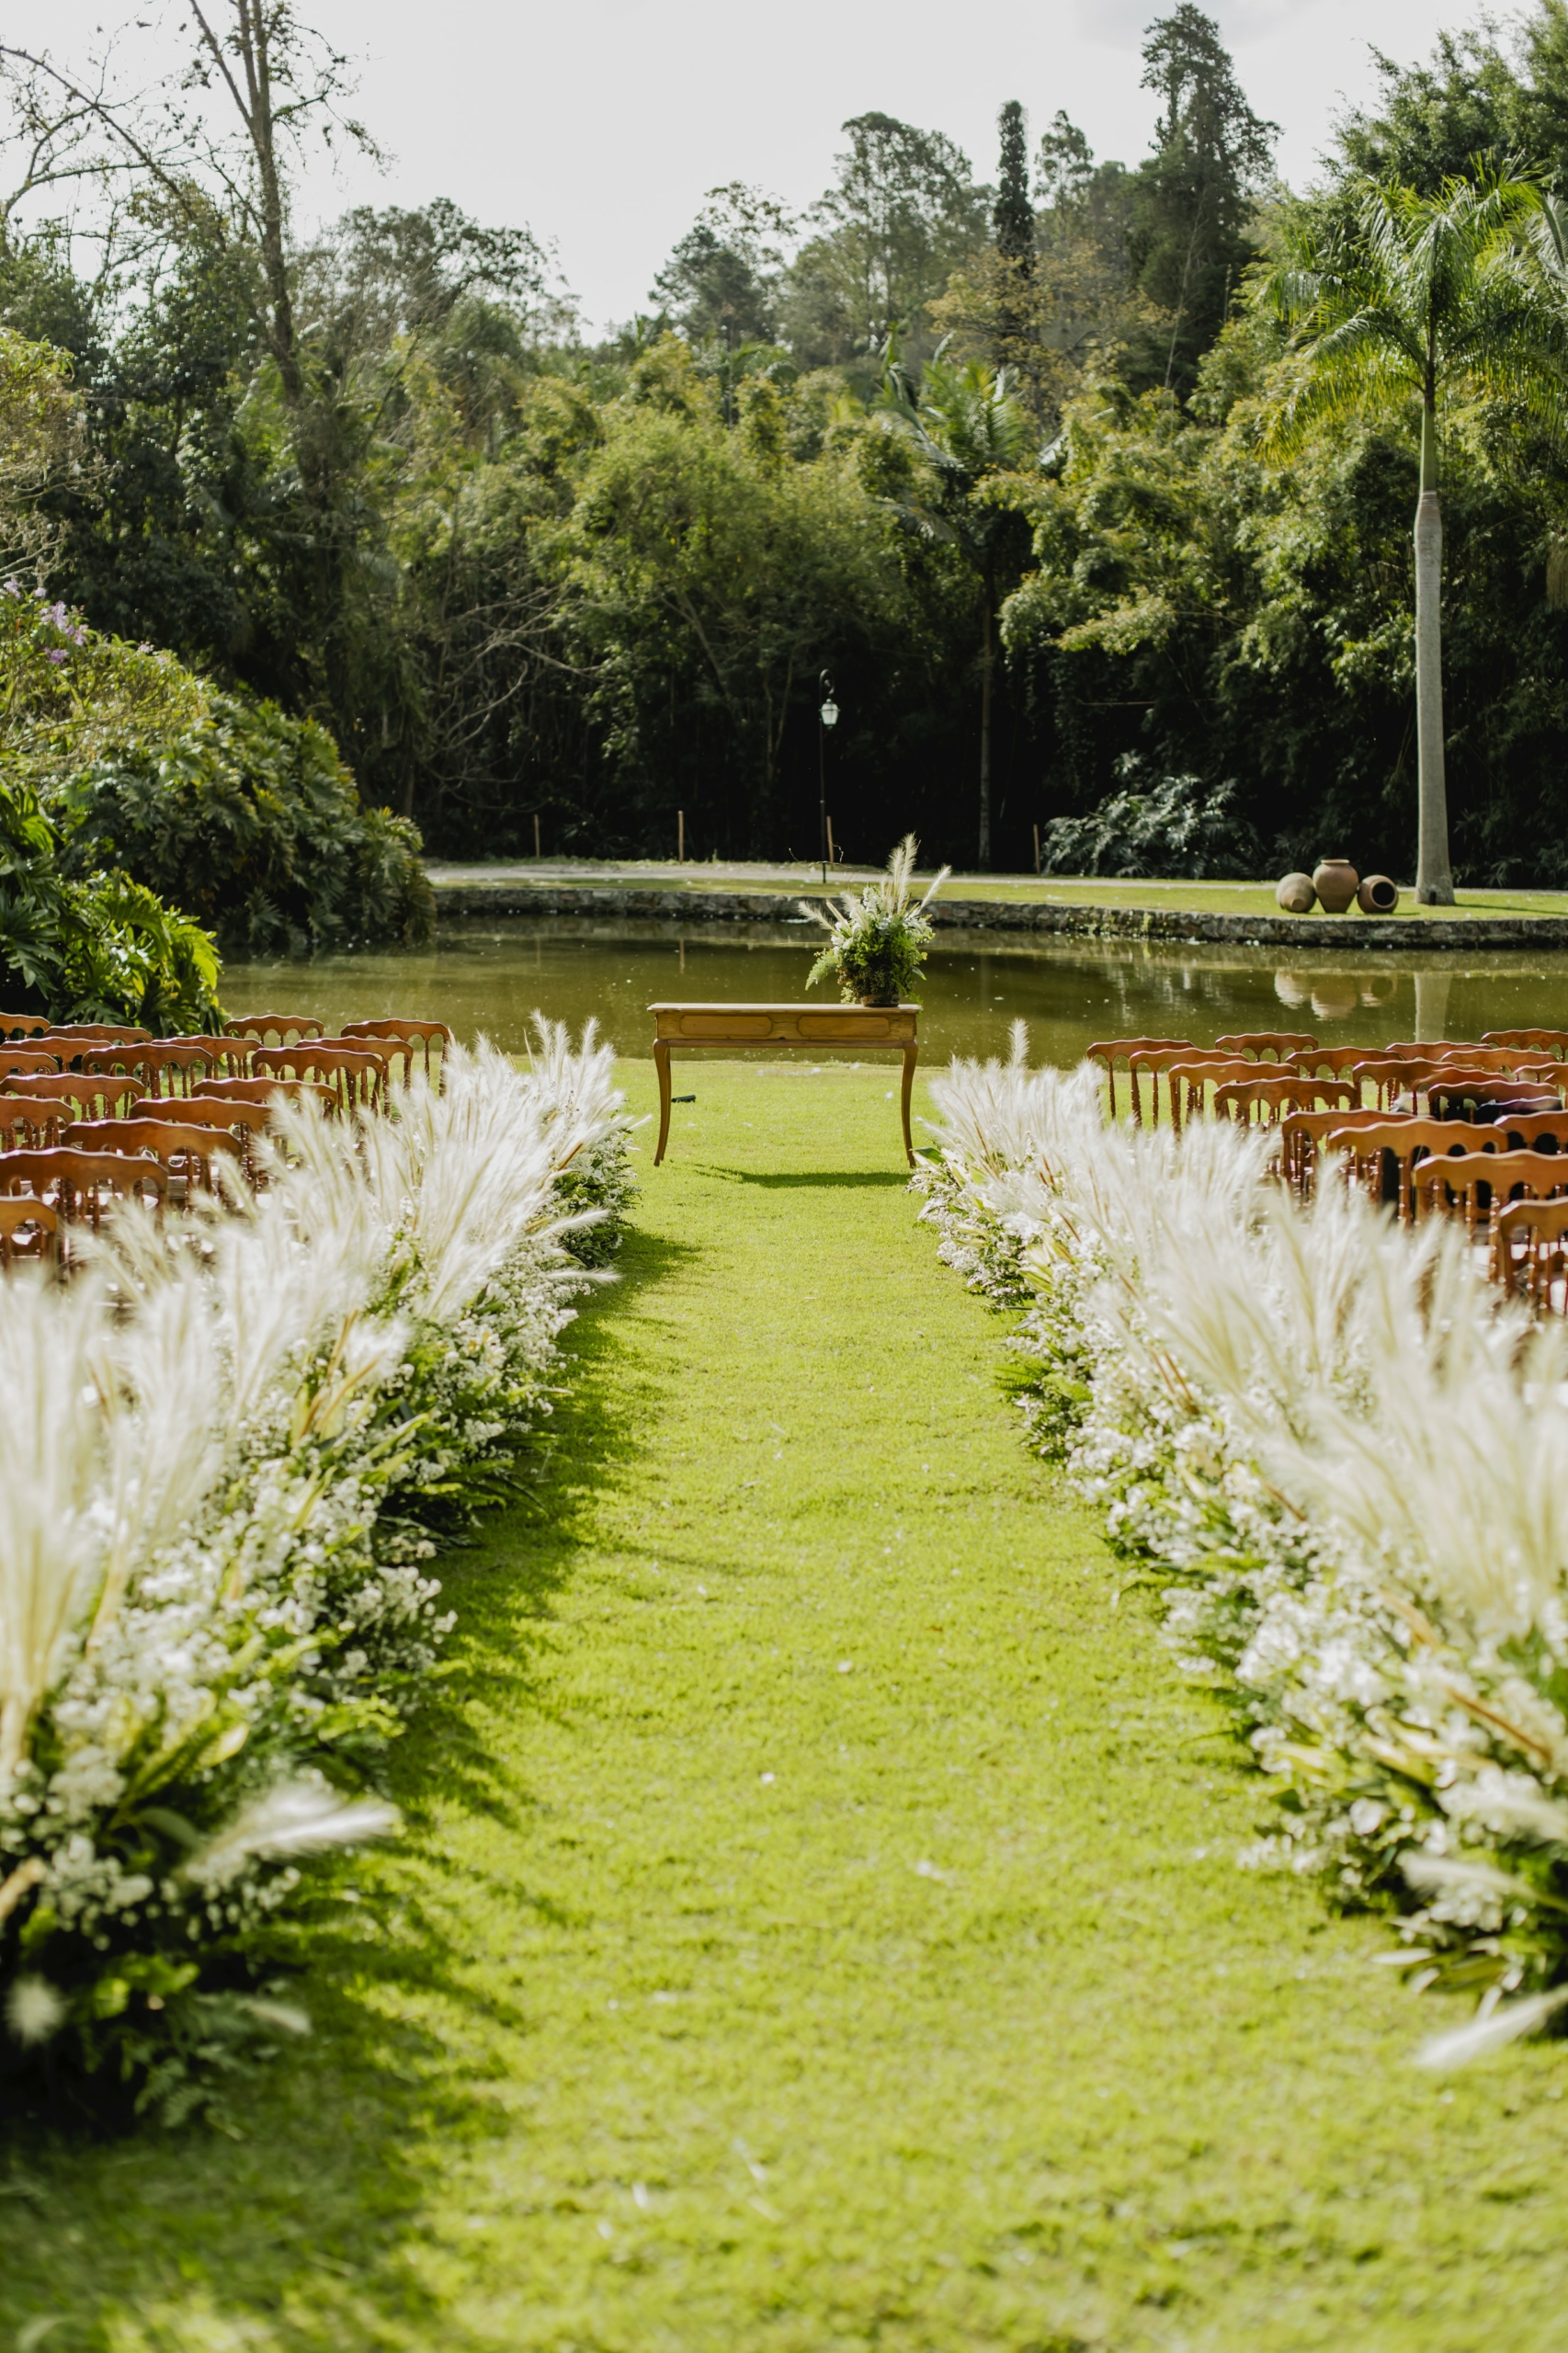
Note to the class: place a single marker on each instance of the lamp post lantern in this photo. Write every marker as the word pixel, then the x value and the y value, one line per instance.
pixel 827 716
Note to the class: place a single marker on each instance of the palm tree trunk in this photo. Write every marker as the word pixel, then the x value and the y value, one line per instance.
pixel 986 663
pixel 1434 877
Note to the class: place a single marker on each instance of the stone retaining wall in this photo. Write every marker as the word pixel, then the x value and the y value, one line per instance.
pixel 1359 934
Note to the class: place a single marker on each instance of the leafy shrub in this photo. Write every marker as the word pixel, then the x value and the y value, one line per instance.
pixel 250 819
pixel 95 946
pixel 1176 826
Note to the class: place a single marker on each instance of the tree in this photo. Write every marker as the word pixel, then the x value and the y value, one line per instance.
pixel 1189 246
pixel 721 281
pixel 1429 295
pixel 1012 215
pixel 965 423
pixel 902 214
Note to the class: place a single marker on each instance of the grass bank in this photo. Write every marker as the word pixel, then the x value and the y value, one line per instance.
pixel 821 1927
pixel 1093 891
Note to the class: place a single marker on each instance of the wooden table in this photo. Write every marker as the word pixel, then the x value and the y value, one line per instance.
pixel 804 1027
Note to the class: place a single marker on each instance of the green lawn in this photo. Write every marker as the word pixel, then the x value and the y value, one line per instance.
pixel 1203 898
pixel 820 1927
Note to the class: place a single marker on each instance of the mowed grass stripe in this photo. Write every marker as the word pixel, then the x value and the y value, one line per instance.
pixel 823 1926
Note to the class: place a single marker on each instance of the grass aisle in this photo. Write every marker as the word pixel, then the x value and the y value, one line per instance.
pixel 822 1928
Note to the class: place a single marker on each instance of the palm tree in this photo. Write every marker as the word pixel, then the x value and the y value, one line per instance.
pixel 1423 295
pixel 965 423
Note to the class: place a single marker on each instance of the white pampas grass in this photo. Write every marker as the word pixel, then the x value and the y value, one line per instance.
pixel 303 1817
pixel 34 2011
pixel 1492 2030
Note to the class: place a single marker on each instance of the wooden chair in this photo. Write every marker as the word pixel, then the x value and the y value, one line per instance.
pixel 20 1061
pixel 185 1152
pixel 1553 1042
pixel 230 1056
pixel 1111 1051
pixel 1533 1131
pixel 409 1034
pixel 100 1033
pixel 1263 1045
pixel 81 1186
pixel 1477 1184
pixel 1272 1100
pixel 54 1098
pixel 30 1233
pixel 1384 1154
pixel 1389 1076
pixel 1188 1077
pixel 1477 1095
pixel 243 1121
pixel 357 1074
pixel 266 1090
pixel 1302 1135
pixel 1328 1062
pixel 22 1025
pixel 285 1028
pixel 1531 1260
pixel 172 1068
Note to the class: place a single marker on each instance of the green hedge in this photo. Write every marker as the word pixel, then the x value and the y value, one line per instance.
pixel 249 820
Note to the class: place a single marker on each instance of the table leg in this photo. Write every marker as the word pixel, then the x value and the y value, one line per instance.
pixel 661 1064
pixel 911 1053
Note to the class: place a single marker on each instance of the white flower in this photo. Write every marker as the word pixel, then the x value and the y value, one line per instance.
pixel 34 2011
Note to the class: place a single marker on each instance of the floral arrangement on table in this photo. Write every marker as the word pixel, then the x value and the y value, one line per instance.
pixel 877 941
pixel 224 1474
pixel 1346 1454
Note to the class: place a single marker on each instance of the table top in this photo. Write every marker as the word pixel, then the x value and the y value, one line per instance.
pixel 734 1005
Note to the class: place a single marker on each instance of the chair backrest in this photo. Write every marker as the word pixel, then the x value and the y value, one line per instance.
pixel 1530 1256
pixel 1335 1062
pixel 230 1057
pixel 424 1035
pixel 29 1232
pixel 22 1025
pixel 1529 1130
pixel 204 1111
pixel 76 1182
pixel 1454 1095
pixel 283 1027
pixel 1188 1076
pixel 51 1099
pixel 357 1073
pixel 1550 1042
pixel 1405 1142
pixel 1480 1182
pixel 1275 1097
pixel 1111 1051
pixel 189 1151
pixel 1266 1045
pixel 100 1033
pixel 264 1090
pixel 179 1066
pixel 24 1062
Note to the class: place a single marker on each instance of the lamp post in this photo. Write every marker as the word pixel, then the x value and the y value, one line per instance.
pixel 827 717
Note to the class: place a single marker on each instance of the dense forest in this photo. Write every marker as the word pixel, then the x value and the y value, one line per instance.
pixel 1028 466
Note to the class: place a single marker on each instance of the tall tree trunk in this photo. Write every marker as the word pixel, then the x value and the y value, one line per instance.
pixel 1434 877
pixel 986 665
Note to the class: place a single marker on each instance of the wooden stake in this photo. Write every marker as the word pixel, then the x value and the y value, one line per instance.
pixel 832 853
pixel 536 833
pixel 1037 849
pixel 680 836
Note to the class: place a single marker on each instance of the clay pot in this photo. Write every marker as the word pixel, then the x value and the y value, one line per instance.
pixel 1378 895
pixel 878 1000
pixel 1295 894
pixel 1336 881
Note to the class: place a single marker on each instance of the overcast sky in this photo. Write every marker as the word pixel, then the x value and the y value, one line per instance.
pixel 601 123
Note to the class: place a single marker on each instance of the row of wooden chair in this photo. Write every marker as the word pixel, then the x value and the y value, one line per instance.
pixel 91 1118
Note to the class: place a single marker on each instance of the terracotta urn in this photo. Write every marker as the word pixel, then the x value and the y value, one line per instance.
pixel 1336 883
pixel 1295 894
pixel 1378 895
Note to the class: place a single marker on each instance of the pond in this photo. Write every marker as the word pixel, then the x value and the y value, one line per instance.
pixel 489 977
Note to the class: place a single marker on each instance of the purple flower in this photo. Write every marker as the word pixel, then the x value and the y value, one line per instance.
pixel 55 655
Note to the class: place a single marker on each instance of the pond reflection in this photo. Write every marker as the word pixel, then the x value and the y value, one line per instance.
pixel 490 977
